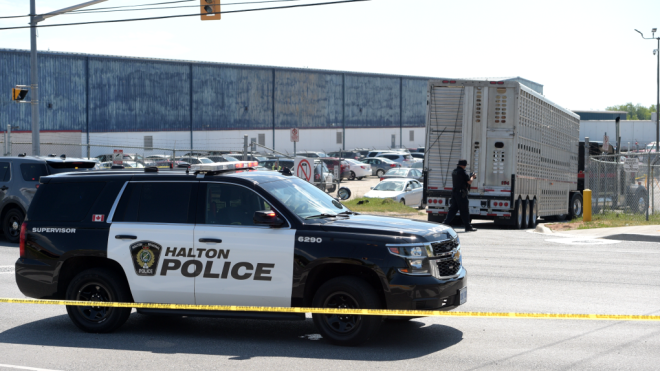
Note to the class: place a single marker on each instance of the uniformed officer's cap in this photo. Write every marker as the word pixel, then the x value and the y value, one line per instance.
pixel 462 162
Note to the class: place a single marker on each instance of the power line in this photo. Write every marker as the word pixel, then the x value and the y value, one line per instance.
pixel 185 15
pixel 90 11
pixel 104 10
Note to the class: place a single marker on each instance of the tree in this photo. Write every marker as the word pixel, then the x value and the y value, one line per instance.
pixel 634 112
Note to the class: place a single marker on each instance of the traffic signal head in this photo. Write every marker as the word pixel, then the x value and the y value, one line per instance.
pixel 18 93
pixel 209 9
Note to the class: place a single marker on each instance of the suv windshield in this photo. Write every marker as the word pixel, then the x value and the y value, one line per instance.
pixel 302 198
pixel 389 186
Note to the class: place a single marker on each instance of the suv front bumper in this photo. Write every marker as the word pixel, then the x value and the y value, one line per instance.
pixel 425 292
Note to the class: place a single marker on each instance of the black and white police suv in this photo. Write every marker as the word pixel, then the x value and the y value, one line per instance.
pixel 224 234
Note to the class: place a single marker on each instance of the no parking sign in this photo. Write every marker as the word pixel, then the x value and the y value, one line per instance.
pixel 303 168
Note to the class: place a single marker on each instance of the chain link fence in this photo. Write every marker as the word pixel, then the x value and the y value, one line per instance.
pixel 625 183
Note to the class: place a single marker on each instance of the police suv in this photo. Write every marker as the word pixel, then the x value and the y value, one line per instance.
pixel 225 234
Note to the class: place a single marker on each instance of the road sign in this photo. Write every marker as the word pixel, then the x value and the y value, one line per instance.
pixel 606 143
pixel 631 165
pixel 304 169
pixel 295 135
pixel 118 157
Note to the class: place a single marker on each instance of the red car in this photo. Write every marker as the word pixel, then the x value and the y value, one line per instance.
pixel 331 162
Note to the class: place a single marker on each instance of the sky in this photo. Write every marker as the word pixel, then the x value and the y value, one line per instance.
pixel 585 53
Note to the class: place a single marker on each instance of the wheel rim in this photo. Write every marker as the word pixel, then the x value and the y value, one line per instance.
pixel 528 213
pixel 519 212
pixel 94 291
pixel 14 226
pixel 577 207
pixel 380 173
pixel 533 220
pixel 352 176
pixel 342 324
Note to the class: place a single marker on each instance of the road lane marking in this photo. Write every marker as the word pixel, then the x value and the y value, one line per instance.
pixel 27 368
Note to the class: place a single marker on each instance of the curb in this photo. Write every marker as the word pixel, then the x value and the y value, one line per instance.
pixel 540 228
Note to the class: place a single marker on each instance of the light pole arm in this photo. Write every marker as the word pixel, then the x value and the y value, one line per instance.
pixel 42 17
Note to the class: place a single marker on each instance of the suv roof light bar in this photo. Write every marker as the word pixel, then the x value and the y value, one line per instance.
pixel 218 167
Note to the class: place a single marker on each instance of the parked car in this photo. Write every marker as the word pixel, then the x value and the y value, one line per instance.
pixel 359 170
pixel 405 191
pixel 405 159
pixel 380 166
pixel 125 164
pixel 311 154
pixel 250 157
pixel 403 172
pixel 168 164
pixel 126 156
pixel 195 160
pixel 363 152
pixel 331 162
pixel 417 155
pixel 19 180
pixel 346 154
pixel 222 158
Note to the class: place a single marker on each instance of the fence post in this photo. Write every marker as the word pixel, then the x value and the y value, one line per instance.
pixel 88 152
pixel 8 140
pixel 586 163
pixel 245 146
pixel 648 189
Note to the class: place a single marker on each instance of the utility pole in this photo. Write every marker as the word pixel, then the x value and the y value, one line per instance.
pixel 657 115
pixel 34 67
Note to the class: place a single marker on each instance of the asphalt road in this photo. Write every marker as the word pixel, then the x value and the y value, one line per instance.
pixel 509 271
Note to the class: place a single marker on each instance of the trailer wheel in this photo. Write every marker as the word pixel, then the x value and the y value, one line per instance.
pixel 576 206
pixel 525 216
pixel 533 213
pixel 518 215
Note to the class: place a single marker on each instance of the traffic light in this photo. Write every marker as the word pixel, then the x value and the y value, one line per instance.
pixel 209 9
pixel 18 93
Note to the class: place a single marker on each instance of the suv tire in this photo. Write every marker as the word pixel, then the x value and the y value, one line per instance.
pixel 346 292
pixel 98 284
pixel 11 225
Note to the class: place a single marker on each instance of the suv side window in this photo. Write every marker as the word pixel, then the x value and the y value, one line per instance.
pixel 65 202
pixel 391 157
pixel 5 171
pixel 228 204
pixel 158 202
pixel 32 172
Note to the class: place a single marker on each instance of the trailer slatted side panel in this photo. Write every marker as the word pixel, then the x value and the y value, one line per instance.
pixel 547 153
pixel 445 118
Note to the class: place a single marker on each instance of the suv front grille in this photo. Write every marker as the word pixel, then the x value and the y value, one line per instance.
pixel 444 247
pixel 448 267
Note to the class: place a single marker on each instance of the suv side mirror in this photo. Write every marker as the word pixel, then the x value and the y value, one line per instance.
pixel 267 217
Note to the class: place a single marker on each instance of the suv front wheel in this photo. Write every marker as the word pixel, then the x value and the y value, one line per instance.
pixel 98 284
pixel 348 293
pixel 11 225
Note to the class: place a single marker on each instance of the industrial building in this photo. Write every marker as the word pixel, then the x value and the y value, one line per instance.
pixel 123 101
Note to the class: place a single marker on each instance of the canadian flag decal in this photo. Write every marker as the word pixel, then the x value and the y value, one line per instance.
pixel 98 217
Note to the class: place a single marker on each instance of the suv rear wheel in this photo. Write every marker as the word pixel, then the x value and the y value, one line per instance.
pixel 346 292
pixel 98 284
pixel 11 225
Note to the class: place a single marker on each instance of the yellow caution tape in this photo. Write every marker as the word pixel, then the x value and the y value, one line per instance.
pixel 372 312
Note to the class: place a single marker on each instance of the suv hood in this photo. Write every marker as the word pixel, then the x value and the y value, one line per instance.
pixel 371 224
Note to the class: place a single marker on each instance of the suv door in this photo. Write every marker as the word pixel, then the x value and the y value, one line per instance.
pixel 151 237
pixel 244 263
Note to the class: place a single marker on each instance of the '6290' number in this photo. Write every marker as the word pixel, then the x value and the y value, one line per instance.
pixel 310 239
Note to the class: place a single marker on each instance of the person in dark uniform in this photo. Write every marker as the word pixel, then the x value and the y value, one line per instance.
pixel 459 195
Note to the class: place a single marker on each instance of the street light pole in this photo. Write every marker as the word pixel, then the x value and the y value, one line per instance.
pixel 34 66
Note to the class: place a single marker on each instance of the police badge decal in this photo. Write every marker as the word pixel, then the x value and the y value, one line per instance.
pixel 145 256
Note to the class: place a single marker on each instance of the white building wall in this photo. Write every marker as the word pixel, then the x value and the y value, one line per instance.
pixel 642 132
pixel 232 140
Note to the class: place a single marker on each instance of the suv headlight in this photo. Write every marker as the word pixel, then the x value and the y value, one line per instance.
pixel 415 257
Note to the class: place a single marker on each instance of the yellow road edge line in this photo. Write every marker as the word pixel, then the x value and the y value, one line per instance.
pixel 373 312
